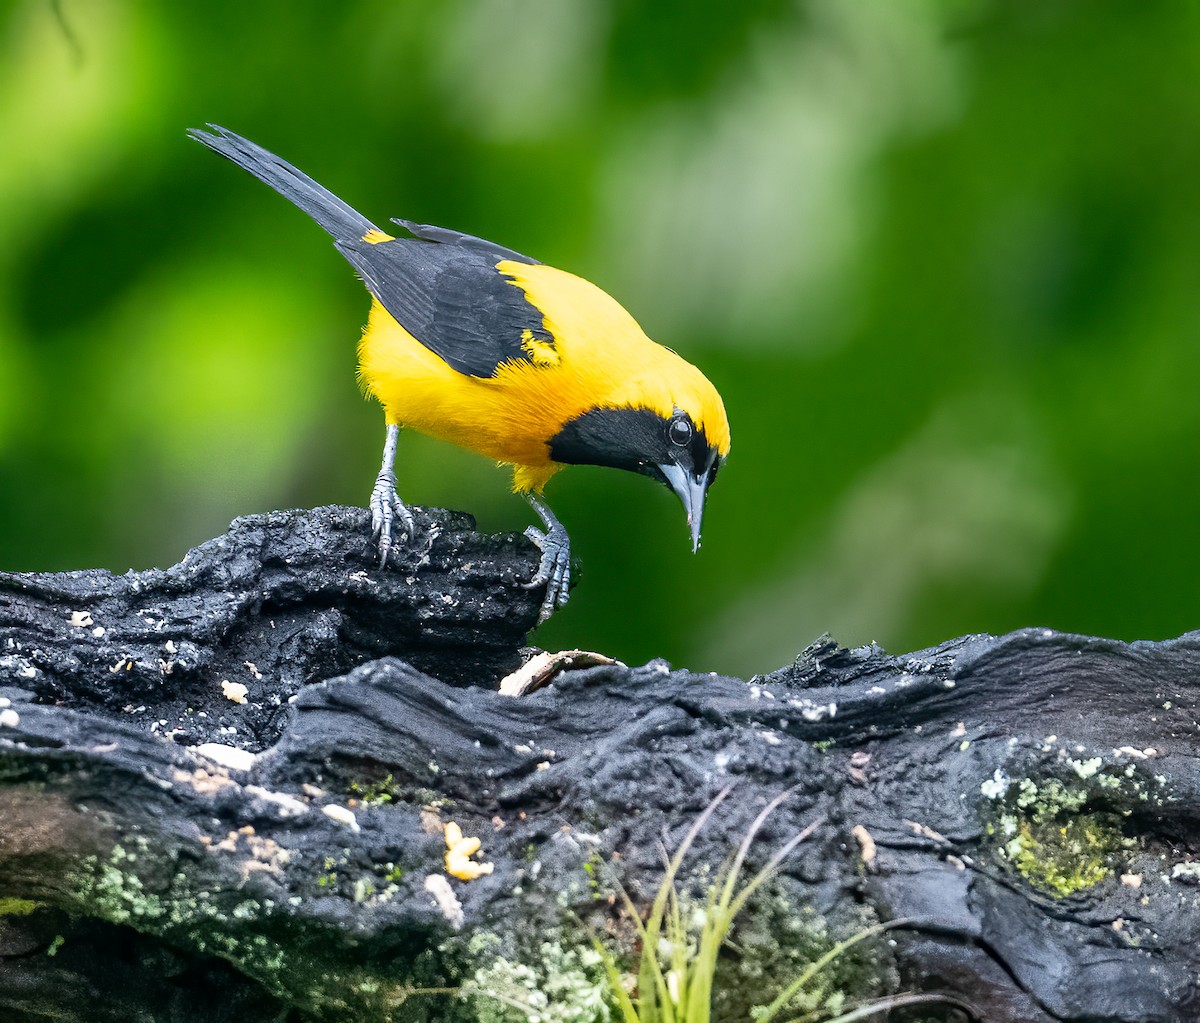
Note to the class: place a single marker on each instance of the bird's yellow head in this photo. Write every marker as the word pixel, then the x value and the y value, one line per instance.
pixel 672 427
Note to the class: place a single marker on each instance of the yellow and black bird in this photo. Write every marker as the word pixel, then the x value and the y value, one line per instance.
pixel 532 366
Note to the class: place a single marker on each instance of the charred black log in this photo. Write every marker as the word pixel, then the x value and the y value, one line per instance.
pixel 1030 803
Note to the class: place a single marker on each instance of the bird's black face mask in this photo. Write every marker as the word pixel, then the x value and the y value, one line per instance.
pixel 672 451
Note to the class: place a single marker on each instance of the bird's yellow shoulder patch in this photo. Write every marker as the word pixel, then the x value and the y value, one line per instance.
pixel 375 236
pixel 541 351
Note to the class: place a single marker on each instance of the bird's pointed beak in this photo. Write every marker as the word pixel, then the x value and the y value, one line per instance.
pixel 691 491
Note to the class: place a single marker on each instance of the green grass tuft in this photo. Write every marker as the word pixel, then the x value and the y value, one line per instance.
pixel 678 958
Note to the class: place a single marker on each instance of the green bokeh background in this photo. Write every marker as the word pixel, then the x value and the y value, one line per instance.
pixel 941 257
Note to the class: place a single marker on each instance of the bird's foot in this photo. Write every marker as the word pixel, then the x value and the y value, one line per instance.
pixel 554 572
pixel 386 510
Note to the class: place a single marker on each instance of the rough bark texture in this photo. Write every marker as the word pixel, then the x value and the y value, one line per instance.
pixel 280 601
pixel 1030 802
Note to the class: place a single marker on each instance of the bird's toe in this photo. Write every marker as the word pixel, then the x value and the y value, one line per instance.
pixel 546 566
pixel 386 511
pixel 554 573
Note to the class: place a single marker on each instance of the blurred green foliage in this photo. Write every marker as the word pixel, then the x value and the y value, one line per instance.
pixel 942 258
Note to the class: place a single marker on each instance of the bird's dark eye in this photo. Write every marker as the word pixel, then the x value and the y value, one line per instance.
pixel 680 432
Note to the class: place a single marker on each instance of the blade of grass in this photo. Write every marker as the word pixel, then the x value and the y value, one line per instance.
pixel 772 865
pixel 652 985
pixel 735 868
pixel 654 1003
pixel 678 941
pixel 717 923
pixel 723 909
pixel 895 1002
pixel 629 1013
pixel 818 965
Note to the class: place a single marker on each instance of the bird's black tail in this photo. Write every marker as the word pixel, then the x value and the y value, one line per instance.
pixel 342 221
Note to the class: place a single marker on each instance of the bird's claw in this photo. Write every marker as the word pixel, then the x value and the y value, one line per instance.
pixel 554 572
pixel 386 509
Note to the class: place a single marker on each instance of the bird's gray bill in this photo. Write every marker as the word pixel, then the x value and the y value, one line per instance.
pixel 691 491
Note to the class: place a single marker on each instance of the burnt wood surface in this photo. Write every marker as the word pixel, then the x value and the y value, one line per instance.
pixel 140 878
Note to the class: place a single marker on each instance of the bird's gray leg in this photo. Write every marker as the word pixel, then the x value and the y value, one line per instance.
pixel 386 507
pixel 555 570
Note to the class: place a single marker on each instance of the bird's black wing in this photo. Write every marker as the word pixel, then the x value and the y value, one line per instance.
pixel 446 236
pixel 442 286
pixel 445 290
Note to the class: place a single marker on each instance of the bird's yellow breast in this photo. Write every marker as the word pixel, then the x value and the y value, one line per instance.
pixel 599 357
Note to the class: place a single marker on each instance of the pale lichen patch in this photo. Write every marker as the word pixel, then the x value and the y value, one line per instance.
pixel 446 900
pixel 338 813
